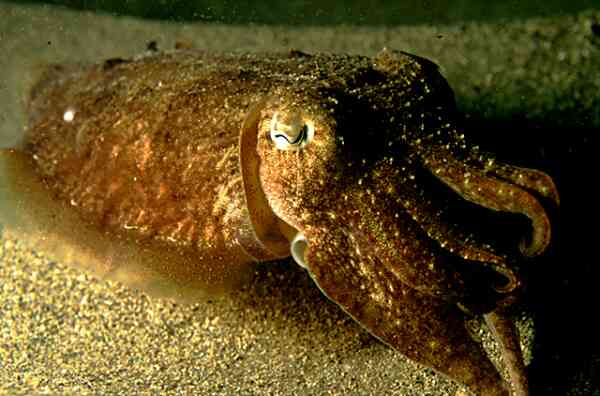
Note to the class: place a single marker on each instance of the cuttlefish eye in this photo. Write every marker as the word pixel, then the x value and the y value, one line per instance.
pixel 291 131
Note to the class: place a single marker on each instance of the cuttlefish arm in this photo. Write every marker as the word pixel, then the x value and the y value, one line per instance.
pixel 425 329
pixel 502 188
pixel 506 334
pixel 475 175
pixel 418 312
pixel 432 215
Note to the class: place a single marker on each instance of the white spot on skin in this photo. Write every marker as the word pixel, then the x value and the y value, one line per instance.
pixel 69 115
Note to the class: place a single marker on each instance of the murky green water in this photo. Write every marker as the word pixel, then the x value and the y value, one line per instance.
pixel 312 12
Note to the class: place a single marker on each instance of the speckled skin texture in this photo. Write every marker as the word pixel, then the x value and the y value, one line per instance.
pixel 153 156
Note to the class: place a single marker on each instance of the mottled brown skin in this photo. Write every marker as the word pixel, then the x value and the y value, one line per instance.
pixel 173 151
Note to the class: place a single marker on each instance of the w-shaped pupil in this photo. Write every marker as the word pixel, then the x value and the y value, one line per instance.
pixel 301 136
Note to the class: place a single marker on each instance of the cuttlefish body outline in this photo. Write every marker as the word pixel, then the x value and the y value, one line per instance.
pixel 174 172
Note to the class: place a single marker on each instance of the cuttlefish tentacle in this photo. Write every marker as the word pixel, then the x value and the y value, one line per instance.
pixel 426 209
pixel 409 251
pixel 418 325
pixel 530 179
pixel 505 333
pixel 494 193
pixel 473 174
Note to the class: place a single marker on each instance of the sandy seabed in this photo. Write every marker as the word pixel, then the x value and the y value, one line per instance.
pixel 63 332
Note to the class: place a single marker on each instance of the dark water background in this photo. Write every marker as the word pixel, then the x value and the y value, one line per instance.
pixel 319 12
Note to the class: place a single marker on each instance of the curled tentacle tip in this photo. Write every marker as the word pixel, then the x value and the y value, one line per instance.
pixel 531 249
pixel 510 280
pixel 539 182
pixel 548 189
pixel 537 242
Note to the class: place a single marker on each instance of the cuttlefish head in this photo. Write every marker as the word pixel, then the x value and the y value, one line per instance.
pixel 336 179
pixel 359 181
pixel 369 171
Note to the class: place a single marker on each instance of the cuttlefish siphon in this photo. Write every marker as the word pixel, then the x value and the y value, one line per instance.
pixel 174 172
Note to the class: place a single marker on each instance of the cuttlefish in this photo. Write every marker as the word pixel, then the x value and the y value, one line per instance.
pixel 174 172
